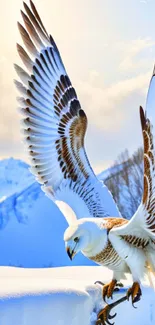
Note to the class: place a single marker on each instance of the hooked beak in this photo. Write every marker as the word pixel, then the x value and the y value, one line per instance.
pixel 71 253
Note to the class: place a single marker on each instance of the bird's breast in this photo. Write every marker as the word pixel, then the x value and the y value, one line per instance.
pixel 107 257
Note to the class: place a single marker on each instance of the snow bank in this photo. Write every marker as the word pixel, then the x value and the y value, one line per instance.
pixel 64 296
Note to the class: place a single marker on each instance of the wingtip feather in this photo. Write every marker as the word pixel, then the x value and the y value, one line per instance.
pixel 35 12
pixel 142 117
pixel 24 57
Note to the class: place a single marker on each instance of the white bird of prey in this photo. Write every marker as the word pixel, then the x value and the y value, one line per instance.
pixel 54 127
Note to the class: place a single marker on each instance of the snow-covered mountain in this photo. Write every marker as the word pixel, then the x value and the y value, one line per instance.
pixel 31 225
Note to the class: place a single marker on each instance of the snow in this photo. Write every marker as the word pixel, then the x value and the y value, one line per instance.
pixel 31 236
pixel 65 295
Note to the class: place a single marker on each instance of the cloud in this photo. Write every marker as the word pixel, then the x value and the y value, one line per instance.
pixel 109 110
pixel 108 104
pixel 144 1
pixel 134 57
pixel 108 107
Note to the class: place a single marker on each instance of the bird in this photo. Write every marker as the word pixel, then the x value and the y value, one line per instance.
pixel 53 126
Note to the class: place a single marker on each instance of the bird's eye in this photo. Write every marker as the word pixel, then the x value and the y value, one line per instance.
pixel 76 239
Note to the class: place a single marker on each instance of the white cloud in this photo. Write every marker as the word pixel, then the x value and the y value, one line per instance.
pixel 144 1
pixel 107 107
pixel 132 51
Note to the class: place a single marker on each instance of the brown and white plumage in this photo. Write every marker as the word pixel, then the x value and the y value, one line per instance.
pixel 54 124
pixel 139 232
pixel 54 127
pixel 122 245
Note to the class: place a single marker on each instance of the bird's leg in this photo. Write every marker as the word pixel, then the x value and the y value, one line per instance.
pixel 109 288
pixel 104 316
pixel 135 293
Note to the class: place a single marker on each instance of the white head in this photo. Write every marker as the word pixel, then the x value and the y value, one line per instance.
pixel 83 235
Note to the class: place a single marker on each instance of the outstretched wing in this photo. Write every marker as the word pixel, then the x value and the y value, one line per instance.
pixel 142 224
pixel 54 124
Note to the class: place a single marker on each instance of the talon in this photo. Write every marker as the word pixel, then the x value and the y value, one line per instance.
pixel 99 282
pixel 135 293
pixel 108 289
pixel 105 292
pixel 110 323
pixel 112 316
pixel 104 315
pixel 137 298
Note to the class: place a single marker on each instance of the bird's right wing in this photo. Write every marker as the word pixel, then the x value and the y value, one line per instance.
pixel 142 224
pixel 135 241
pixel 54 124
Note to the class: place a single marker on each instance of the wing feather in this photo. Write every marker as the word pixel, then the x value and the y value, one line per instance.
pixel 142 224
pixel 54 124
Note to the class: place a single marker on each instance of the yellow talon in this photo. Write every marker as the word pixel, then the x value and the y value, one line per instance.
pixel 135 292
pixel 108 289
pixel 104 316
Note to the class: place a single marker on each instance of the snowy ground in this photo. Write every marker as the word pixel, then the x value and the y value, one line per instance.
pixel 64 296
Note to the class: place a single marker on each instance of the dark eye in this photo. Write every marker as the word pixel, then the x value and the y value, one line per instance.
pixel 76 239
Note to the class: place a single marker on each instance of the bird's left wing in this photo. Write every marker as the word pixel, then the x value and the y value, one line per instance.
pixel 142 224
pixel 54 125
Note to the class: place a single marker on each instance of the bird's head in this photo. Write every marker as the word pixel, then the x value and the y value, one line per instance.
pixel 80 236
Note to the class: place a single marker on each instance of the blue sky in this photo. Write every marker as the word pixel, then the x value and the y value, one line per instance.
pixel 108 48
